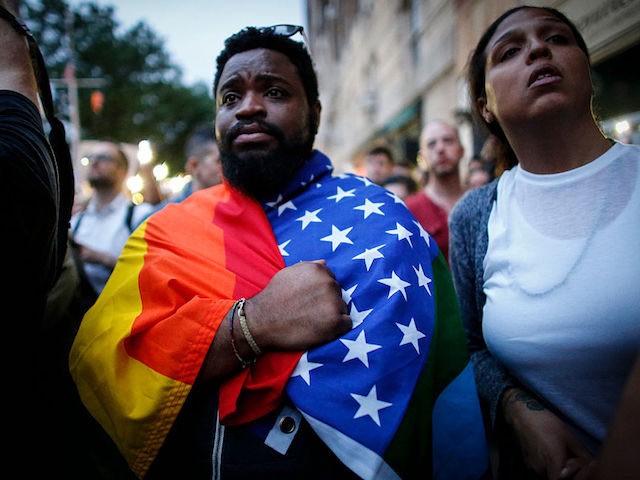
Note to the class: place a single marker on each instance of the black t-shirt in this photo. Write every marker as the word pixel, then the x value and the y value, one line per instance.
pixel 30 204
pixel 35 215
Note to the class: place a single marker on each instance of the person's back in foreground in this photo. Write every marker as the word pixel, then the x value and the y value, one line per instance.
pixel 36 199
pixel 346 359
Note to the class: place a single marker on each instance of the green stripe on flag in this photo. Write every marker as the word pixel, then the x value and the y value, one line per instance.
pixel 410 452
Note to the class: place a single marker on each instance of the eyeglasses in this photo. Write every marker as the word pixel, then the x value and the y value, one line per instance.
pixel 100 157
pixel 288 31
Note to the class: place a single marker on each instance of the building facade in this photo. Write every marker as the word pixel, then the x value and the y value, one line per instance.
pixel 386 67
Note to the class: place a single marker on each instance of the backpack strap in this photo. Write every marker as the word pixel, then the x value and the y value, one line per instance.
pixel 128 220
pixel 77 225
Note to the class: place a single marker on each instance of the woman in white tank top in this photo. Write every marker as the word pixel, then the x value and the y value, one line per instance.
pixel 546 259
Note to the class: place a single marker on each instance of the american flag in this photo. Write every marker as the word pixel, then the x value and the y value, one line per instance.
pixel 355 390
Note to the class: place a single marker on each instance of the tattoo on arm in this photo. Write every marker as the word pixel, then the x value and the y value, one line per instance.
pixel 530 402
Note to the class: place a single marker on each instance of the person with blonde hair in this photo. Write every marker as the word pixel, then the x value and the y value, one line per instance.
pixel 440 154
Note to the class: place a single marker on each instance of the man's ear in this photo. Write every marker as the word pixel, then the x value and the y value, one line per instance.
pixel 191 164
pixel 317 110
pixel 421 160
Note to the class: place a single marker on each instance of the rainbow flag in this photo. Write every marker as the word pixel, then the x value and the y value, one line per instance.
pixel 393 398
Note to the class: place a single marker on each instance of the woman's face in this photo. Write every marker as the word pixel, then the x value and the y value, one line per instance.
pixel 534 69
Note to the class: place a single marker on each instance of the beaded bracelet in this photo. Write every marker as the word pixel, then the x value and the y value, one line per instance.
pixel 243 362
pixel 245 328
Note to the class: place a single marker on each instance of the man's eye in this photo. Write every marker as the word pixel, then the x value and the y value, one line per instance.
pixel 275 93
pixel 229 98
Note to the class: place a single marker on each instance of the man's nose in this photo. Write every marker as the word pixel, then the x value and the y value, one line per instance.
pixel 252 104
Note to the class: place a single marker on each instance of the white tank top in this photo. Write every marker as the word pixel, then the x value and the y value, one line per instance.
pixel 562 280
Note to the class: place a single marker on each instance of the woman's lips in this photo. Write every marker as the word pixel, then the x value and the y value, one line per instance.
pixel 544 76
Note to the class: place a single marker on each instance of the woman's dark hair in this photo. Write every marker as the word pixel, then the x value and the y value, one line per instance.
pixel 250 38
pixel 476 76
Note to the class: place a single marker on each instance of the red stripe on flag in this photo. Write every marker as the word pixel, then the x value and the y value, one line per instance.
pixel 252 249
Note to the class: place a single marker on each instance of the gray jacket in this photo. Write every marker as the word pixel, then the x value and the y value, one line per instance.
pixel 468 241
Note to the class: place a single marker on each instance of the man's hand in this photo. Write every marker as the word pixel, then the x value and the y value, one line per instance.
pixel 300 308
pixel 548 446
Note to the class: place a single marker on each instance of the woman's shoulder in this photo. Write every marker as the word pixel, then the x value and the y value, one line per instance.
pixel 475 201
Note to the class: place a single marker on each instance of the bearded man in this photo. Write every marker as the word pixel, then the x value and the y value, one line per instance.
pixel 287 323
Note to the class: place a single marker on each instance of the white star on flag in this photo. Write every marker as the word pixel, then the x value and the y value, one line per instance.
pixel 358 317
pixel 369 255
pixel 364 180
pixel 396 198
pixel 395 284
pixel 410 334
pixel 282 247
pixel 423 280
pixel 423 233
pixel 284 206
pixel 342 194
pixel 337 237
pixel 303 368
pixel 273 204
pixel 359 348
pixel 370 405
pixel 402 233
pixel 309 217
pixel 369 207
pixel 346 294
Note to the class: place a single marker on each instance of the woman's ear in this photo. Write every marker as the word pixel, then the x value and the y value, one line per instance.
pixel 484 111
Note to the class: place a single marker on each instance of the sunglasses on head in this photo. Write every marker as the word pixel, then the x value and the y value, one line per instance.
pixel 287 30
pixel 100 157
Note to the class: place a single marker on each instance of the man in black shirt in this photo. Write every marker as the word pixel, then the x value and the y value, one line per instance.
pixel 36 198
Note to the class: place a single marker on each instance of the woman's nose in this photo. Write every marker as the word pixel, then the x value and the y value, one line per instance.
pixel 538 48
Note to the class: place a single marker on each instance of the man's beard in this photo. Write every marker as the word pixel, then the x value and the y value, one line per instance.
pixel 263 174
pixel 448 170
pixel 100 182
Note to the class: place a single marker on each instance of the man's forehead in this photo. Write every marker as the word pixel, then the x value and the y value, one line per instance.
pixel 438 130
pixel 104 147
pixel 259 61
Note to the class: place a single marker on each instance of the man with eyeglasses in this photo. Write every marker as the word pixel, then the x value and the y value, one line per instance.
pixel 289 323
pixel 100 230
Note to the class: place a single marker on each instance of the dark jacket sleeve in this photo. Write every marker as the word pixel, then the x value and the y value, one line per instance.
pixel 467 248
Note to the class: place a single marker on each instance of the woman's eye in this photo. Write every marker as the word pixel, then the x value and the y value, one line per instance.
pixel 508 53
pixel 558 39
